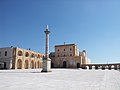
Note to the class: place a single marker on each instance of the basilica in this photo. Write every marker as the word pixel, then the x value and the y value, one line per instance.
pixel 65 56
pixel 68 56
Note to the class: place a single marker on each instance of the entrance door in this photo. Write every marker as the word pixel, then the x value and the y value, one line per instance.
pixel 64 64
pixel 78 65
pixel 52 65
pixel 4 65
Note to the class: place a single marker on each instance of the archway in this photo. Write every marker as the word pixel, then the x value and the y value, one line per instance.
pixel 90 66
pixel 19 64
pixel 78 65
pixel 64 64
pixel 106 67
pixel 118 67
pixel 112 67
pixel 26 54
pixel 93 67
pixel 109 67
pixel 35 65
pixel 20 53
pixel 32 55
pixel 87 67
pixel 103 67
pixel 38 64
pixel 100 67
pixel 96 67
pixel 38 56
pixel 32 64
pixel 115 67
pixel 26 64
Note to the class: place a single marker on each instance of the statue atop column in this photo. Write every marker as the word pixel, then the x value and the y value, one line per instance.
pixel 46 60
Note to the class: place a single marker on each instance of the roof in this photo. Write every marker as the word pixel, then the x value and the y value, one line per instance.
pixel 65 45
pixel 5 47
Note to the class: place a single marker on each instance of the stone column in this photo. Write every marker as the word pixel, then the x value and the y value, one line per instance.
pixel 46 60
pixel 47 42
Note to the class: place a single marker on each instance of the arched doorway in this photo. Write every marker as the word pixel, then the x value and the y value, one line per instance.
pixel 78 65
pixel 19 64
pixel 38 64
pixel 35 65
pixel 32 64
pixel 64 64
pixel 26 64
pixel 41 64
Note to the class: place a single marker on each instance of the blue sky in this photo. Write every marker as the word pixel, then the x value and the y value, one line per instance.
pixel 94 25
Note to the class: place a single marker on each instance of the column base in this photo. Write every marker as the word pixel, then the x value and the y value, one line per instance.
pixel 46 71
pixel 46 65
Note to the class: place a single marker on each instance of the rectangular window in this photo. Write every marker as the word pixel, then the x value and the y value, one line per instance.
pixel 0 53
pixel 5 53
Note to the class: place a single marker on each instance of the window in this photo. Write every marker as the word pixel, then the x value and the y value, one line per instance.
pixel 20 53
pixel 32 55
pixel 58 50
pixel 70 54
pixel 38 56
pixel 58 55
pixel 64 55
pixel 64 49
pixel 0 53
pixel 5 53
pixel 26 54
pixel 70 49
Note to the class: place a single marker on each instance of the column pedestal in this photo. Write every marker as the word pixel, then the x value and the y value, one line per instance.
pixel 46 65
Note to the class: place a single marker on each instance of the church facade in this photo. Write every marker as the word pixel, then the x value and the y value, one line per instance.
pixel 18 58
pixel 68 56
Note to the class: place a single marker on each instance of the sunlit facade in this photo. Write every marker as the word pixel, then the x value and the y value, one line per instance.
pixel 18 58
pixel 68 56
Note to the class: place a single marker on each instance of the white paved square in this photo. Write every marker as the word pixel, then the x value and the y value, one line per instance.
pixel 60 79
